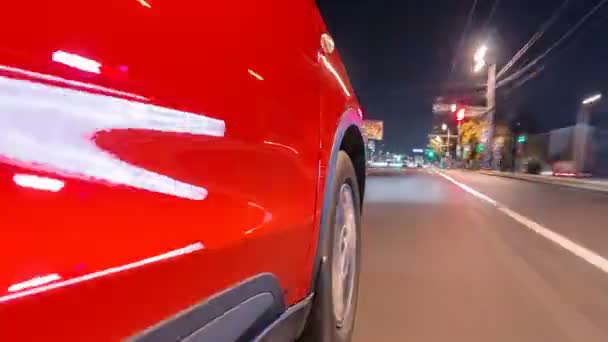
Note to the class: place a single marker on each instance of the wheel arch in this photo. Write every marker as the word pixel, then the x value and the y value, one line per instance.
pixel 348 137
pixel 354 145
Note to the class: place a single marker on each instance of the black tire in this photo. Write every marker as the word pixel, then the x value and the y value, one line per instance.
pixel 322 325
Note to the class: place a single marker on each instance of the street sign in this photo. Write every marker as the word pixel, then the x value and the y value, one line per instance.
pixel 470 111
pixel 442 108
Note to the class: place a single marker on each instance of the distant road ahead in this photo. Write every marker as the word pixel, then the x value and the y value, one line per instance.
pixel 440 264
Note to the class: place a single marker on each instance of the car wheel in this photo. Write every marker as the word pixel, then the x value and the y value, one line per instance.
pixel 332 316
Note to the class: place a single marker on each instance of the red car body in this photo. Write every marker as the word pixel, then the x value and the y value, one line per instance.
pixel 156 153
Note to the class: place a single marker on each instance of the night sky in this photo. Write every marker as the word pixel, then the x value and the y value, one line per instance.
pixel 399 55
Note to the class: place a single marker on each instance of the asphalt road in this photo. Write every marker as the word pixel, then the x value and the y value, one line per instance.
pixel 441 264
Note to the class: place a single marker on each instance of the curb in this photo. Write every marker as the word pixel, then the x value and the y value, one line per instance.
pixel 601 186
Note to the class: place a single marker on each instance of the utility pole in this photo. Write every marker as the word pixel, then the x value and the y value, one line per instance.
pixel 481 60
pixel 491 107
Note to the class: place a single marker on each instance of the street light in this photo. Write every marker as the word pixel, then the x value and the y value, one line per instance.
pixel 480 58
pixel 444 127
pixel 592 99
pixel 581 133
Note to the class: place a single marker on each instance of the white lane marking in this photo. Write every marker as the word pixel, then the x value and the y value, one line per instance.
pixel 569 245
pixel 469 189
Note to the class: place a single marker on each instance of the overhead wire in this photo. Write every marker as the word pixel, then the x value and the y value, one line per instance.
pixel 463 35
pixel 491 14
pixel 556 44
pixel 535 37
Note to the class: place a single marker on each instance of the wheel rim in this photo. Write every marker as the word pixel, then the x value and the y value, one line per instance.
pixel 344 255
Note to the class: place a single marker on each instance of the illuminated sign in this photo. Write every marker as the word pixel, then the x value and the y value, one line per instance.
pixel 373 129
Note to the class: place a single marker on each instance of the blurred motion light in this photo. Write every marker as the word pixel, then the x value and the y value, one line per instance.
pixel 255 74
pixel 144 3
pixel 480 54
pixel 479 58
pixel 76 61
pixel 564 174
pixel 460 115
pixel 37 281
pixel 35 287
pixel 592 99
pixel 453 107
pixel 336 74
pixel 37 182
pixel 478 66
pixel 418 150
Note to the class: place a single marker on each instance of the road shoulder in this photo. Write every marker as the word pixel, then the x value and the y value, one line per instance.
pixel 587 184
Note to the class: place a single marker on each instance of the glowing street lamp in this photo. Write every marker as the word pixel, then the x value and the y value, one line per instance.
pixel 592 99
pixel 480 58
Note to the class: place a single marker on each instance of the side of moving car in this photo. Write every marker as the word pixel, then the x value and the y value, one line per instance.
pixel 176 170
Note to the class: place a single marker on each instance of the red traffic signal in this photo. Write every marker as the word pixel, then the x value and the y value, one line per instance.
pixel 460 114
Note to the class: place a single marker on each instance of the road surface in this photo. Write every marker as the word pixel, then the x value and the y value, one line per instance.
pixel 441 262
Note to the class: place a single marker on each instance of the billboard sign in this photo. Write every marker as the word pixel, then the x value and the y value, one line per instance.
pixel 373 129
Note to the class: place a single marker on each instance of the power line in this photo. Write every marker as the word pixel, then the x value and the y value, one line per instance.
pixel 492 12
pixel 463 36
pixel 535 37
pixel 569 33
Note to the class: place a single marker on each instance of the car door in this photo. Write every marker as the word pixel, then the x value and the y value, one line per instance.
pixel 152 154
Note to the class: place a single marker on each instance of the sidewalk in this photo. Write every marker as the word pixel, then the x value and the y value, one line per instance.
pixel 588 184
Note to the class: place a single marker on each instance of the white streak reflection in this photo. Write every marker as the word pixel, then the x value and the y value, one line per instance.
pixel 109 271
pixel 336 75
pixel 77 62
pixel 36 281
pixel 272 143
pixel 38 183
pixel 51 129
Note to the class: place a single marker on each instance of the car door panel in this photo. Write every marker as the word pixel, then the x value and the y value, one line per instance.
pixel 187 164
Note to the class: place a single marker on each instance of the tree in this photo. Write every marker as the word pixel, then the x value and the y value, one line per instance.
pixel 470 132
pixel 436 146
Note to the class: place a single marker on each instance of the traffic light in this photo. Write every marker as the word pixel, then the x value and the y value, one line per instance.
pixel 460 114
pixel 522 139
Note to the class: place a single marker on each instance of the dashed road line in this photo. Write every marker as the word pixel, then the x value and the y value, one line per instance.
pixel 569 245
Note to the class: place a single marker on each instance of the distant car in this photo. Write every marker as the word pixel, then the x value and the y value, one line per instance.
pixel 177 170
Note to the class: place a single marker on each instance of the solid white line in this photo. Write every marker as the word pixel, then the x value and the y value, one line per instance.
pixel 469 189
pixel 574 248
